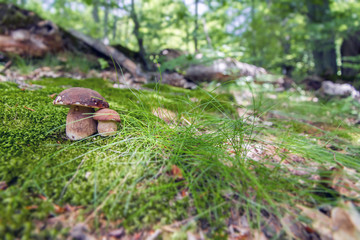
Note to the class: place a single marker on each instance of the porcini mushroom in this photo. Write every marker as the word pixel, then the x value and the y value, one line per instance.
pixel 107 121
pixel 82 101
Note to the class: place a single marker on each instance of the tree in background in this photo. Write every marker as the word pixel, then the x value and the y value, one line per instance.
pixel 322 37
pixel 138 35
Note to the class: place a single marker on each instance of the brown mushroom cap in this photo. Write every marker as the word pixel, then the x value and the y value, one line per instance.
pixel 106 114
pixel 83 97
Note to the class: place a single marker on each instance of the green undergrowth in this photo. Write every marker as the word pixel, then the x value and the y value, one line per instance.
pixel 129 178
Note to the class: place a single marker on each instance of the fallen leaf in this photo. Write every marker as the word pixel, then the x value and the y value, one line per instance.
pixel 43 197
pixel 294 228
pixel 345 222
pixel 31 207
pixel 176 172
pixel 345 181
pixel 117 232
pixel 321 223
pixel 53 95
pixel 138 236
pixel 3 185
pixel 168 116
pixel 59 209
pixel 80 232
pixel 259 235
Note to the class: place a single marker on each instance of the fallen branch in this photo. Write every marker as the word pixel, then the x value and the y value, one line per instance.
pixel 111 53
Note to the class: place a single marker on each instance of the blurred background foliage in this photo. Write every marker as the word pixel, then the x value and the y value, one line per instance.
pixel 295 38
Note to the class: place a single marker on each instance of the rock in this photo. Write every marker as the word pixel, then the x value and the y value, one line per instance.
pixel 337 89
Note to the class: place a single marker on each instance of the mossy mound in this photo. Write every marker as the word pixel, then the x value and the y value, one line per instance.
pixel 37 159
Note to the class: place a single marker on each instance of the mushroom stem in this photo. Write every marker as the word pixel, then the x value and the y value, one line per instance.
pixel 79 123
pixel 107 128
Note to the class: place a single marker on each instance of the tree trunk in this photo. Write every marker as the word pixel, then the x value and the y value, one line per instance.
pixel 138 36
pixel 106 20
pixel 323 47
pixel 208 39
pixel 286 66
pixel 114 28
pixel 196 25
pixel 350 57
pixel 253 33
pixel 95 11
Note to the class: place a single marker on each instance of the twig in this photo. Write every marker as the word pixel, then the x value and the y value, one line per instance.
pixel 7 65
pixel 154 235
pixel 29 108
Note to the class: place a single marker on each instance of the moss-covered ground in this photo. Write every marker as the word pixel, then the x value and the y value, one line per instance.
pixel 196 170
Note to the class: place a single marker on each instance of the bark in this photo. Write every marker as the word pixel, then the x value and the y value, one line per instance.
pixel 42 38
pixel 138 36
pixel 350 48
pixel 323 48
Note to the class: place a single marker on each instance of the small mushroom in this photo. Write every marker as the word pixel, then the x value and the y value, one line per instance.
pixel 82 101
pixel 107 121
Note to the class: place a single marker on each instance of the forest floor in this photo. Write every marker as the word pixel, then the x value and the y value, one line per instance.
pixel 235 160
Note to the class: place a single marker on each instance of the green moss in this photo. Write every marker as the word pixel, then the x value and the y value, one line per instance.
pixel 35 155
pixel 129 174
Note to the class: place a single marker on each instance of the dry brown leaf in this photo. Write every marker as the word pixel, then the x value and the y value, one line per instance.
pixel 345 222
pixel 321 223
pixel 176 172
pixel 294 228
pixel 80 231
pixel 59 209
pixel 31 207
pixel 259 235
pixel 168 116
pixel 53 95
pixel 3 185
pixel 345 181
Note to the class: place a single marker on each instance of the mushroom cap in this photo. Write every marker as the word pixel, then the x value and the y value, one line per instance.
pixel 83 97
pixel 106 114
